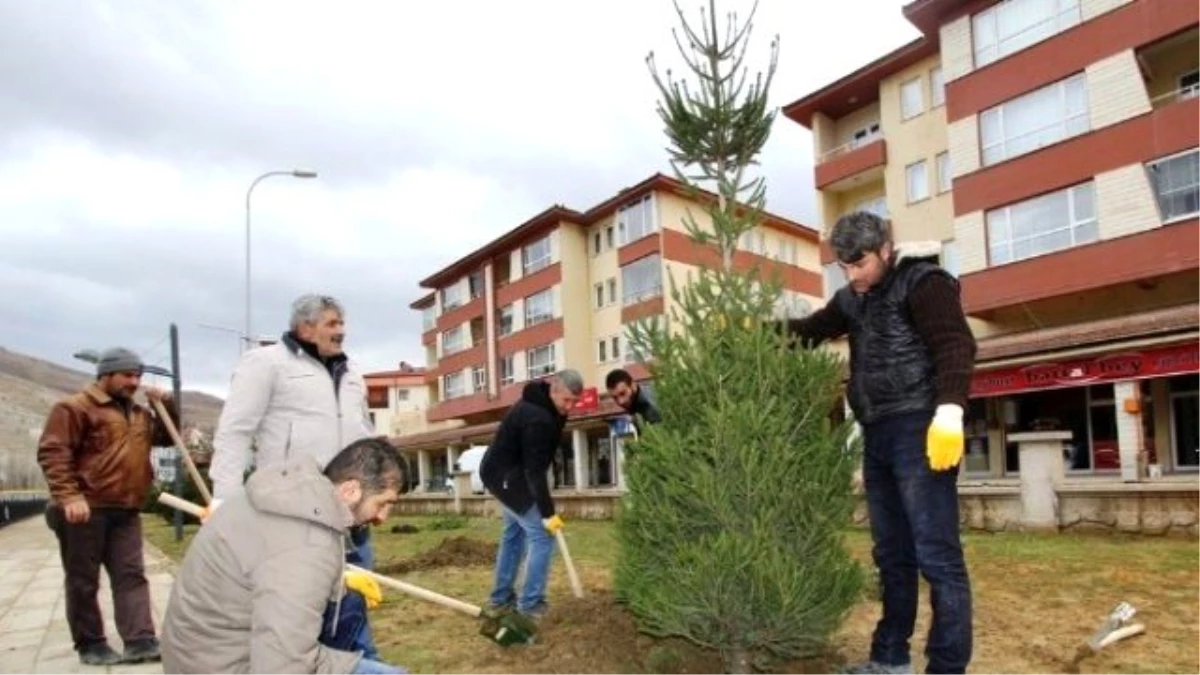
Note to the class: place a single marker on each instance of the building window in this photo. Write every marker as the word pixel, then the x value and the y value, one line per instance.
pixel 1013 25
pixel 539 307
pixel 1189 85
pixel 454 340
pixel 479 378
pixel 377 397
pixel 454 385
pixel 596 243
pixel 937 87
pixel 1043 117
pixel 599 289
pixel 615 344
pixel 634 353
pixel 948 258
pixel 912 101
pixel 429 318
pixel 636 220
pixel 642 279
pixel 1176 182
pixel 401 394
pixel 504 320
pixel 452 296
pixel 943 172
pixel 865 135
pixel 507 372
pixel 753 241
pixel 834 278
pixel 602 351
pixel 1044 224
pixel 609 236
pixel 541 361
pixel 475 284
pixel 536 256
pixel 877 205
pixel 612 291
pixel 917 178
pixel 1185 420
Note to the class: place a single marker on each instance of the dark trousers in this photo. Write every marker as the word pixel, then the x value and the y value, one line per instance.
pixel 346 625
pixel 915 527
pixel 112 538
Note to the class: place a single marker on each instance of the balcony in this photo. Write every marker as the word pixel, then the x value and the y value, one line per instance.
pixel 1169 69
pixel 853 164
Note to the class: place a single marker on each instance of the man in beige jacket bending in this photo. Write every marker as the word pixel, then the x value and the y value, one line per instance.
pixel 264 575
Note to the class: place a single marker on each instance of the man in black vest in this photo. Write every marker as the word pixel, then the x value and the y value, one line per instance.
pixel 911 359
pixel 514 470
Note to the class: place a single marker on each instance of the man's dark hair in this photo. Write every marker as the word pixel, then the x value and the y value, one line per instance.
pixel 373 462
pixel 618 376
pixel 857 234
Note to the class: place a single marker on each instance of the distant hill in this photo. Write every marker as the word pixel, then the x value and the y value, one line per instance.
pixel 30 386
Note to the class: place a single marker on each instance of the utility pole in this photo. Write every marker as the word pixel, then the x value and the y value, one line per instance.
pixel 177 395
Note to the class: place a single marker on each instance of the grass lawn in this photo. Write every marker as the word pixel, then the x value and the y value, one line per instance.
pixel 1036 597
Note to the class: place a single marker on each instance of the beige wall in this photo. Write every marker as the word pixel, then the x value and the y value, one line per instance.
pixel 845 126
pixel 824 132
pixel 1115 90
pixel 908 141
pixel 573 301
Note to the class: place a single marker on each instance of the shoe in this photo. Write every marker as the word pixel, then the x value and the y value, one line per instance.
pixel 535 613
pixel 98 654
pixel 875 667
pixel 494 610
pixel 141 651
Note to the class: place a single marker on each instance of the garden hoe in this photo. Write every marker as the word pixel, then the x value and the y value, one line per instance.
pixel 507 628
pixel 1116 627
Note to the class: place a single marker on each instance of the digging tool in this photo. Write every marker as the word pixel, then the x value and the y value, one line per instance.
pixel 1116 627
pixel 508 628
pixel 576 587
pixel 187 457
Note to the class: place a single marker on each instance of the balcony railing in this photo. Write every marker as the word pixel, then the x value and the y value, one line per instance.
pixel 851 146
pixel 1180 94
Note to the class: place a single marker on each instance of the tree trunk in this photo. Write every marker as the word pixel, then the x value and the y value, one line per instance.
pixel 738 661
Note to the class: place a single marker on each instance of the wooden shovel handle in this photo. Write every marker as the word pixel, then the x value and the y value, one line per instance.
pixel 183 451
pixel 180 504
pixel 418 592
pixel 576 587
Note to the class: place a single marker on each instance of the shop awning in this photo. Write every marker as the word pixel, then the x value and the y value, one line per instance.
pixel 1158 343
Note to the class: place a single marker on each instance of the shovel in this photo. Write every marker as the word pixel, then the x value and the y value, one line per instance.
pixel 504 629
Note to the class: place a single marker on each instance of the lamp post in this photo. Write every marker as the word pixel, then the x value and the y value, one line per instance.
pixel 295 173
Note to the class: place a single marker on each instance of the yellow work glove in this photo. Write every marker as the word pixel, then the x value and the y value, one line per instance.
pixel 553 524
pixel 363 583
pixel 944 441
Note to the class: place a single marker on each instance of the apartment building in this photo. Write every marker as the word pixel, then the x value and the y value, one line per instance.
pixel 397 400
pixel 562 290
pixel 1051 146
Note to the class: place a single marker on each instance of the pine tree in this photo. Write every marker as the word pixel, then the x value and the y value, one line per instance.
pixel 731 534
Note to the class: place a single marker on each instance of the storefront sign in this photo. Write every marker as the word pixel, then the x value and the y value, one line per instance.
pixel 1127 365
pixel 589 401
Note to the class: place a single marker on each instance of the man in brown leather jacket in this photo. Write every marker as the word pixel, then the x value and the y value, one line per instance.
pixel 95 453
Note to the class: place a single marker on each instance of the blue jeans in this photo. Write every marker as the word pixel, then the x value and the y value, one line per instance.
pixel 523 533
pixel 915 526
pixel 351 629
pixel 372 667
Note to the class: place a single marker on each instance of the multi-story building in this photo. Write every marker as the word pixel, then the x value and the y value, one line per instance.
pixel 1051 146
pixel 561 291
pixel 397 400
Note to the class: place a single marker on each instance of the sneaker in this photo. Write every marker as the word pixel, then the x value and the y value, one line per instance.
pixel 141 651
pixel 98 654
pixel 493 610
pixel 535 613
pixel 875 667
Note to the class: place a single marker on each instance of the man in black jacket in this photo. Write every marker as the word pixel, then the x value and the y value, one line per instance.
pixel 514 471
pixel 911 359
pixel 632 397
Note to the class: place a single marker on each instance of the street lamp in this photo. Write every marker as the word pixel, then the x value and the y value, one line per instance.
pixel 295 173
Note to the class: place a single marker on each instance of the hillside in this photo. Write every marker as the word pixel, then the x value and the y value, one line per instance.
pixel 29 387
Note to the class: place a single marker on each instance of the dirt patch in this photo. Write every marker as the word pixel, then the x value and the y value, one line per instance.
pixel 596 635
pixel 452 552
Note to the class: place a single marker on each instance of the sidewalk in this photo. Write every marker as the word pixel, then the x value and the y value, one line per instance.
pixel 34 637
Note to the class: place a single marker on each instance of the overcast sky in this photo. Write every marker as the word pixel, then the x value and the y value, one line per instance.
pixel 130 130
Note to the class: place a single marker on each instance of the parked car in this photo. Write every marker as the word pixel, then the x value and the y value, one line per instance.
pixel 470 460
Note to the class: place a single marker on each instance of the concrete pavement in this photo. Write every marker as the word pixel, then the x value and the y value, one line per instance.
pixel 34 637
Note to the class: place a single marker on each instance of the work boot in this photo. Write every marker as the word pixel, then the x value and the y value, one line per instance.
pixel 875 667
pixel 98 654
pixel 141 651
pixel 535 613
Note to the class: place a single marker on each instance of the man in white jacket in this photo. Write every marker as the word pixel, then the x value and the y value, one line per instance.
pixel 299 396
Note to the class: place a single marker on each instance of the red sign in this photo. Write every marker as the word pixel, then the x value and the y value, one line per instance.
pixel 589 401
pixel 1130 365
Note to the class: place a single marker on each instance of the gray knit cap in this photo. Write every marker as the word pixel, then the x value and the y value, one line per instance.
pixel 118 360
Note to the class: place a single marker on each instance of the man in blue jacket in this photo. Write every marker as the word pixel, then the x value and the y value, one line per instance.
pixel 514 471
